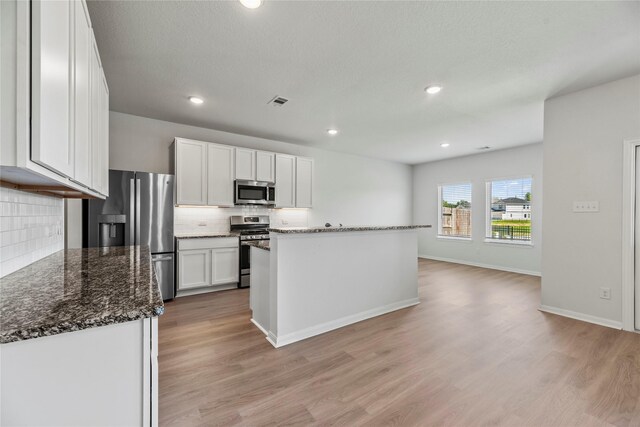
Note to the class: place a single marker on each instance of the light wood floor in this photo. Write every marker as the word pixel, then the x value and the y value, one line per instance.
pixel 476 351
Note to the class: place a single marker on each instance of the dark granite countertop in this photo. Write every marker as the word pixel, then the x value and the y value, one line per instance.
pixel 78 289
pixel 297 230
pixel 204 235
pixel 262 244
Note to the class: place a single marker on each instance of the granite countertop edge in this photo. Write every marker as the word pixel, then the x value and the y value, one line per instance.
pixel 80 271
pixel 205 235
pixel 52 329
pixel 302 230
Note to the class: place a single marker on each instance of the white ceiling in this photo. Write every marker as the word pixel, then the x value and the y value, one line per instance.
pixel 361 67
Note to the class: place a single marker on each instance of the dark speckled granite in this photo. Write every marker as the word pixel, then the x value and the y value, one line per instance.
pixel 204 235
pixel 295 230
pixel 262 244
pixel 78 289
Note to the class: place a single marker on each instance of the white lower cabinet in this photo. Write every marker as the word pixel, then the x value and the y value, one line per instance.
pixel 207 264
pixel 194 268
pixel 103 376
pixel 224 265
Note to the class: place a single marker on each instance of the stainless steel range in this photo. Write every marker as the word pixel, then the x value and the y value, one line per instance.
pixel 250 228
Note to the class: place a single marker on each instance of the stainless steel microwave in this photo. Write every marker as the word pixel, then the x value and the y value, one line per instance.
pixel 255 193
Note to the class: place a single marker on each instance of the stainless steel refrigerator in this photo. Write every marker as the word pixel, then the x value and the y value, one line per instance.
pixel 138 211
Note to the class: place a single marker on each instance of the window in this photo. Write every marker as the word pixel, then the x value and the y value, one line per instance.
pixel 455 211
pixel 509 216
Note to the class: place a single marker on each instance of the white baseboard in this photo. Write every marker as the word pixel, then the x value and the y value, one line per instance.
pixel 581 316
pixel 279 341
pixel 479 264
pixel 263 330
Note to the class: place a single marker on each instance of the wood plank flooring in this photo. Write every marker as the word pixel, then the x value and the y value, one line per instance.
pixel 475 352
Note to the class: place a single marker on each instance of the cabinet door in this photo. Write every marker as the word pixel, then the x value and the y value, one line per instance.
pixel 194 269
pixel 304 182
pixel 191 173
pixel 82 94
pixel 96 120
pixel 265 166
pixel 51 48
pixel 224 265
pixel 245 164
pixel 220 175
pixel 285 181
pixel 104 134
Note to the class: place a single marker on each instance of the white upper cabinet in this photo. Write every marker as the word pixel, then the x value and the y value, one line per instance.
pixel 191 172
pixel 245 164
pixel 51 83
pixel 220 175
pixel 104 134
pixel 82 95
pixel 62 99
pixel 304 182
pixel 205 174
pixel 265 166
pixel 285 181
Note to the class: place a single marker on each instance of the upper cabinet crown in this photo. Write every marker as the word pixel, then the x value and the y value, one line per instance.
pixel 253 165
pixel 59 99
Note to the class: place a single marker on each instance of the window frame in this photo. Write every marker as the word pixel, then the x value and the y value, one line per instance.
pixel 489 195
pixel 438 231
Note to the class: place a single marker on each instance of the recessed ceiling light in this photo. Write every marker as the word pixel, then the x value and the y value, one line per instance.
pixel 196 100
pixel 433 89
pixel 444 145
pixel 251 4
pixel 332 132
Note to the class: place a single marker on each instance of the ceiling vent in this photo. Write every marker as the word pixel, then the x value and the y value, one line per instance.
pixel 486 147
pixel 278 101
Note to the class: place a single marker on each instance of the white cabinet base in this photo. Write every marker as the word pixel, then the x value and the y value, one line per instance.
pixel 103 376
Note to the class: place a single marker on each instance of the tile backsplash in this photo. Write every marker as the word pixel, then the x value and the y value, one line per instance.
pixel 31 228
pixel 187 220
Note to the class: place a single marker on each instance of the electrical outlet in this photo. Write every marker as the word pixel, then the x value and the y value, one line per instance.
pixel 605 293
pixel 202 224
pixel 284 222
pixel 586 207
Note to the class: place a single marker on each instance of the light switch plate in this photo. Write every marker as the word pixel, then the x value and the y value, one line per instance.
pixel 586 207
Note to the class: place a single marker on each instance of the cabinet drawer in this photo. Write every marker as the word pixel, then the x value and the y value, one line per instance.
pixel 208 243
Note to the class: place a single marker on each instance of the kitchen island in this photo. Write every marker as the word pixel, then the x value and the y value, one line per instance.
pixel 314 280
pixel 79 339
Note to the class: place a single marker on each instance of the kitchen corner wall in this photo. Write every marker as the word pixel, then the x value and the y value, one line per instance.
pixel 583 145
pixel 347 189
pixel 31 228
pixel 477 170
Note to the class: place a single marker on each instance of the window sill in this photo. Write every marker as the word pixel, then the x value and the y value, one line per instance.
pixel 460 239
pixel 525 243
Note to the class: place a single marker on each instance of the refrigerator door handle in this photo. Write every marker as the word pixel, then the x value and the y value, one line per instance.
pixel 132 212
pixel 138 189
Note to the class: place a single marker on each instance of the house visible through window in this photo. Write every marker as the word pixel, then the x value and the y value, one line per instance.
pixel 455 210
pixel 509 209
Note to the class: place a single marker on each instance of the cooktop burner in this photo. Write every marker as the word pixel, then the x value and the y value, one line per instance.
pixel 252 227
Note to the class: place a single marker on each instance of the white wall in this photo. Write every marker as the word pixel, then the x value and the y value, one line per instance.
pixel 31 228
pixel 478 169
pixel 348 189
pixel 583 134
